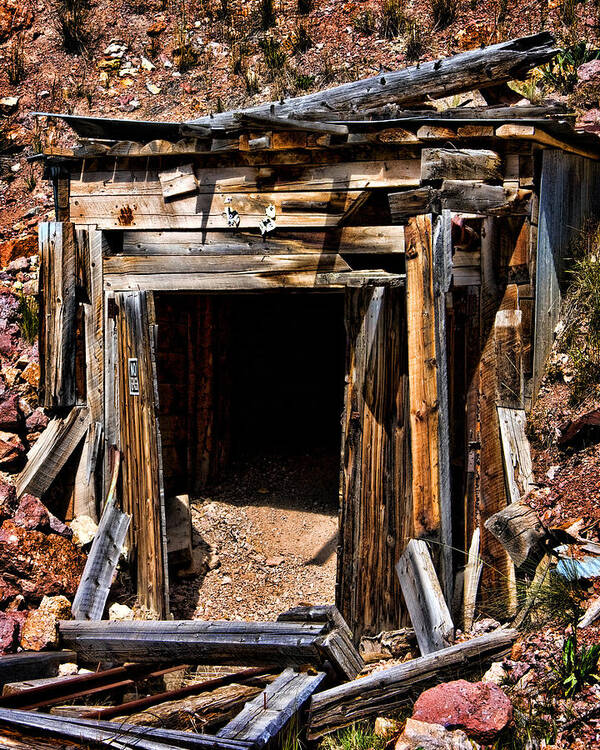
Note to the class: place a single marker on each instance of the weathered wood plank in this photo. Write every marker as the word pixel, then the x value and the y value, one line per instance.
pixel 523 535
pixel 460 164
pixel 358 175
pixel 464 72
pixel 84 492
pixel 568 190
pixel 143 491
pixel 32 665
pixel 135 265
pixel 422 379
pixel 471 581
pixel 343 240
pixel 424 599
pixel 174 182
pixel 518 468
pixel 390 689
pixel 478 198
pixel 103 558
pixel 509 360
pixel 213 210
pixel 51 452
pixel 58 313
pixel 375 461
pixel 412 203
pixel 263 718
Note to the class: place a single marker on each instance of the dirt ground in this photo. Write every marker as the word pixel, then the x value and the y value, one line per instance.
pixel 265 540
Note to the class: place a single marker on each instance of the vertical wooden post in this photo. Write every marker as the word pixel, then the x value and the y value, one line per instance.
pixel 143 493
pixel 375 487
pixel 58 314
pixel 89 249
pixel 422 378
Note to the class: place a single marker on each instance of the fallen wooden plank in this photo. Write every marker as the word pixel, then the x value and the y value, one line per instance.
pixel 460 164
pixel 471 581
pixel 52 451
pixel 103 558
pixel 344 240
pixel 518 468
pixel 424 599
pixel 264 717
pixel 470 70
pixel 239 643
pixel 113 735
pixel 179 529
pixel 58 313
pixel 316 613
pixel 390 689
pixel 29 665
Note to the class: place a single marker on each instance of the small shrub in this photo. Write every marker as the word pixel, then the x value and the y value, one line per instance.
pixel 365 22
pixel 303 82
pixel 305 7
pixel 30 181
pixel 251 81
pixel 393 18
pixel 267 14
pixel 414 41
pixel 301 41
pixel 29 317
pixel 275 57
pixel 561 72
pixel 73 24
pixel 577 667
pixel 359 736
pixel 443 13
pixel 16 61
pixel 569 12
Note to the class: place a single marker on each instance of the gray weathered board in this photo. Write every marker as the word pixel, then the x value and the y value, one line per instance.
pixel 424 599
pixel 518 468
pixel 568 195
pixel 52 451
pixel 267 714
pixel 32 665
pixel 219 642
pixel 100 566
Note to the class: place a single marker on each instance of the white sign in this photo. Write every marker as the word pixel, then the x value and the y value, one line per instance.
pixel 134 379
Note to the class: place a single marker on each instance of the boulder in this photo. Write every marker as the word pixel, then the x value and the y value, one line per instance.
pixel 41 564
pixel 31 374
pixel 8 500
pixel 589 71
pixel 40 630
pixel 386 728
pixel 36 421
pixel 10 413
pixel 419 735
pixel 84 529
pixel 482 710
pixel 8 634
pixel 32 514
pixel 12 450
pixel 22 247
pixel 8 591
pixel 120 612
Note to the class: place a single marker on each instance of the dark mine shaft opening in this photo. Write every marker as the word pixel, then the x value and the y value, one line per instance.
pixel 250 406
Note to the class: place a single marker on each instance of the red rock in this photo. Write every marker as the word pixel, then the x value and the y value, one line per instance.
pixel 12 449
pixel 8 634
pixel 42 564
pixel 22 247
pixel 14 15
pixel 156 28
pixel 8 501
pixel 10 414
pixel 31 374
pixel 41 626
pixel 36 421
pixel 8 591
pixel 32 514
pixel 481 709
pixel 589 71
pixel 7 346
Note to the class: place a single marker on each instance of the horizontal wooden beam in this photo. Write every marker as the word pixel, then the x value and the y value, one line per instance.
pixel 343 240
pixel 460 164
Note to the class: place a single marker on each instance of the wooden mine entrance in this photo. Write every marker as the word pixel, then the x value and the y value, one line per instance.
pixel 227 375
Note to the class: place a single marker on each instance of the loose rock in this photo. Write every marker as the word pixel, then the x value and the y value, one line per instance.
pixel 40 630
pixel 419 735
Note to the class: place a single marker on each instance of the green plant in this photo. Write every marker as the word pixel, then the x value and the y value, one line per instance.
pixel 561 72
pixel 73 24
pixel 16 61
pixel 267 14
pixel 275 57
pixel 569 12
pixel 393 18
pixel 577 666
pixel 365 22
pixel 359 736
pixel 303 82
pixel 529 88
pixel 29 317
pixel 301 41
pixel 443 12
pixel 305 7
pixel 414 41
